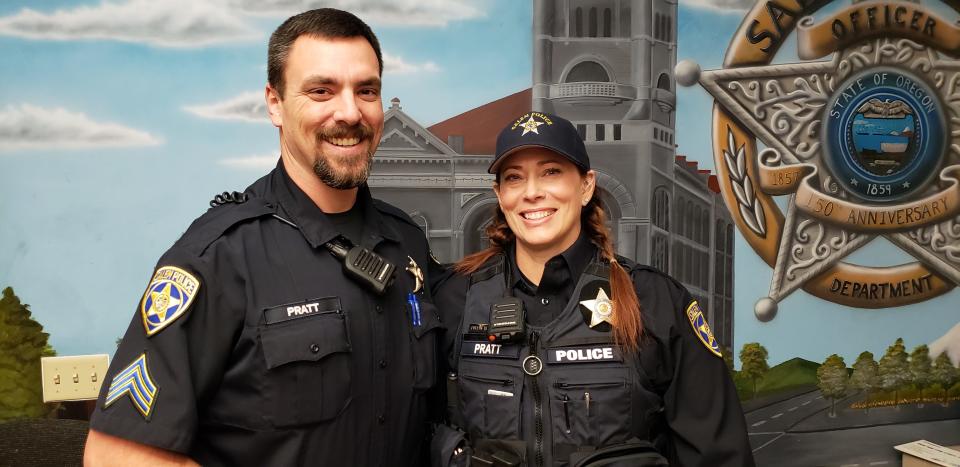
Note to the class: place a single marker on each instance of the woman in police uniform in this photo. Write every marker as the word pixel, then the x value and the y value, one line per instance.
pixel 565 353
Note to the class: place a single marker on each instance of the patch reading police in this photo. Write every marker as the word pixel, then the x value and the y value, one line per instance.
pixel 168 297
pixel 584 354
pixel 601 308
pixel 701 329
pixel 485 349
pixel 134 381
pixel 289 311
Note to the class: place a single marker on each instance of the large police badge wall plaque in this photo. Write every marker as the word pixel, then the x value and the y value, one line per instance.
pixel 863 138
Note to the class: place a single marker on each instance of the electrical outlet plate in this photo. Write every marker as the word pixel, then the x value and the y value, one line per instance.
pixel 73 378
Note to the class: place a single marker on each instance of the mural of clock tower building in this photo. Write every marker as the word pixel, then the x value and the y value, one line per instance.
pixel 607 66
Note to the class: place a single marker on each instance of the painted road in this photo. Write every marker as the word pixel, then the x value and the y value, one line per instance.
pixel 775 444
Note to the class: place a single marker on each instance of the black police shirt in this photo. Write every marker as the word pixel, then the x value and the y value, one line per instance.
pixel 544 301
pixel 251 347
pixel 702 420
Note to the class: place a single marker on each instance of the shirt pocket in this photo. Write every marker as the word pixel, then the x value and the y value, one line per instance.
pixel 424 342
pixel 308 368
pixel 590 407
pixel 490 399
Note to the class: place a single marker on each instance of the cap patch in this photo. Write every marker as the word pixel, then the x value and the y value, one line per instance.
pixel 701 329
pixel 529 122
pixel 134 381
pixel 168 296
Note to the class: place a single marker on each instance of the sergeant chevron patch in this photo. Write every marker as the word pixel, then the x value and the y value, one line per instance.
pixel 134 381
pixel 701 329
pixel 168 296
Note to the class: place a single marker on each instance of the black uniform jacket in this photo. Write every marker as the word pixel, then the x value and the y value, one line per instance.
pixel 268 354
pixel 701 421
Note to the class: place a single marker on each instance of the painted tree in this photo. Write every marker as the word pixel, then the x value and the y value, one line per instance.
pixel 895 369
pixel 943 372
pixel 727 355
pixel 866 374
pixel 920 368
pixel 832 380
pixel 22 343
pixel 753 363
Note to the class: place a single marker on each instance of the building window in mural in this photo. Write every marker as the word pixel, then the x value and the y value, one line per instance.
pixel 587 71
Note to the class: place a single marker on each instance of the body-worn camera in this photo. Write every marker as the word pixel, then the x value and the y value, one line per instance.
pixel 507 321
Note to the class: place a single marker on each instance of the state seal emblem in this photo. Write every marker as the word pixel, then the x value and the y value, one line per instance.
pixel 862 138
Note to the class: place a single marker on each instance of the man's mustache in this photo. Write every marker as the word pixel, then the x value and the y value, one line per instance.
pixel 360 130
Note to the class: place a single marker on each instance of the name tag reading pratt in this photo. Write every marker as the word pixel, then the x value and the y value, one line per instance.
pixel 486 349
pixel 281 313
pixel 599 353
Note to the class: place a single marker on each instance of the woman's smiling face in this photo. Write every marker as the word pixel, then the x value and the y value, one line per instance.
pixel 541 194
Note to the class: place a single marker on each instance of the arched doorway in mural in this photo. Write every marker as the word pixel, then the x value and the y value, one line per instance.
pixel 474 225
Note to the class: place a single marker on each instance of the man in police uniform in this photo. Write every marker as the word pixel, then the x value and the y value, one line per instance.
pixel 251 345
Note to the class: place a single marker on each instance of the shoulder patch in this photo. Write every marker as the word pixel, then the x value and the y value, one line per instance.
pixel 134 381
pixel 169 295
pixel 701 329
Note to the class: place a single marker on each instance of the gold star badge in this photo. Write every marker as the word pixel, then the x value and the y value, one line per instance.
pixel 168 297
pixel 530 126
pixel 601 309
pixel 161 301
pixel 417 274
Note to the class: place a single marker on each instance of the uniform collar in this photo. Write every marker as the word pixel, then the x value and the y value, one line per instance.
pixel 314 223
pixel 575 259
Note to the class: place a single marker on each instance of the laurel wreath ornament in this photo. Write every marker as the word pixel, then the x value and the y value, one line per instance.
pixel 750 210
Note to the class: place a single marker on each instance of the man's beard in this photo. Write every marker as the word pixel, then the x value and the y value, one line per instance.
pixel 356 173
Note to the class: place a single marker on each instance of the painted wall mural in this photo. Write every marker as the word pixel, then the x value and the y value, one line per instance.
pixel 795 163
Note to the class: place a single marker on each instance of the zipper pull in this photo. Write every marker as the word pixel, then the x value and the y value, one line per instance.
pixel 586 397
pixel 532 365
pixel 566 411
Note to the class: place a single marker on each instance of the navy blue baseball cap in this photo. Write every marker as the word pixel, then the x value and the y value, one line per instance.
pixel 536 129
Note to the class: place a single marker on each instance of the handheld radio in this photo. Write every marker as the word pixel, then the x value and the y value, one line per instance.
pixel 363 265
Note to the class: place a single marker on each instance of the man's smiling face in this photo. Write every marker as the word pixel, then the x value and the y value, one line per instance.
pixel 331 114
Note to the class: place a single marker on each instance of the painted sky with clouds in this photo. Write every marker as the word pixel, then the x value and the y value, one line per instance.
pixel 120 119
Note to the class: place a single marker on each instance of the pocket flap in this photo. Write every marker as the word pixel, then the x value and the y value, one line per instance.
pixel 429 319
pixel 309 339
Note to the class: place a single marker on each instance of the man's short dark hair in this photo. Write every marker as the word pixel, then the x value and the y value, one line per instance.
pixel 327 23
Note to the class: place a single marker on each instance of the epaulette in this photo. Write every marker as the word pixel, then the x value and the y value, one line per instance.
pixel 601 267
pixel 641 267
pixel 492 267
pixel 394 211
pixel 637 267
pixel 217 220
